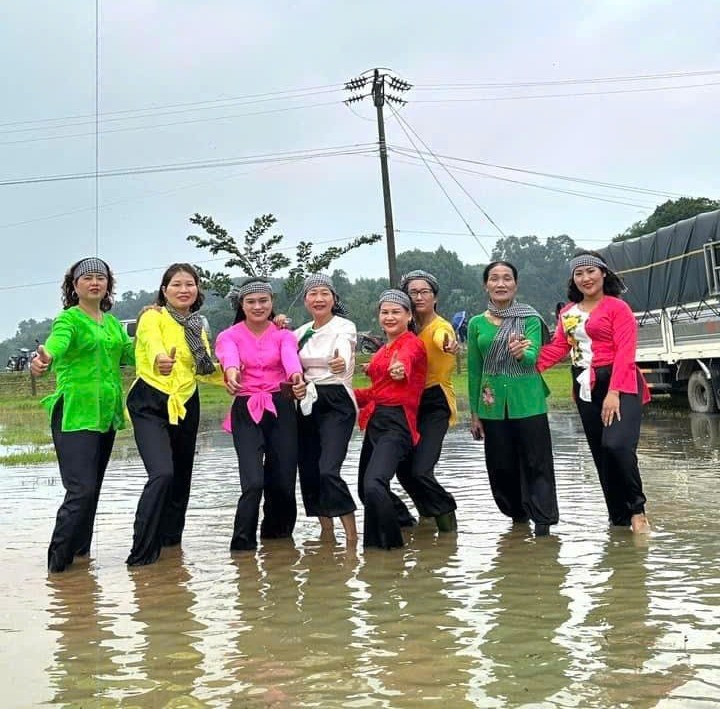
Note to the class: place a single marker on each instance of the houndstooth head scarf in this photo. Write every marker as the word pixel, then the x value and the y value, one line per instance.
pixel 317 280
pixel 249 285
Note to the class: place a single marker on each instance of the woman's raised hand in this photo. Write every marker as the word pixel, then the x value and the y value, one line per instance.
pixel 336 364
pixel 517 344
pixel 40 364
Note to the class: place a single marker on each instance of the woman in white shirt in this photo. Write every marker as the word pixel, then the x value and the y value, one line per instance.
pixel 327 414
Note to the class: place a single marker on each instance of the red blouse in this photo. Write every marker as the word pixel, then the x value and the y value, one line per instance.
pixel 612 328
pixel 410 351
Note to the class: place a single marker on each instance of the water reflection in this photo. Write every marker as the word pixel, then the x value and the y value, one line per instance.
pixel 528 664
pixel 490 618
pixel 411 649
pixel 169 662
pixel 83 660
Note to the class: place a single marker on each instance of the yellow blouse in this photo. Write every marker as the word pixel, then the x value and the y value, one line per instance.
pixel 157 333
pixel 440 363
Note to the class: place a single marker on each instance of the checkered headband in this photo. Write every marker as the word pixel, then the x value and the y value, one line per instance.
pixel 419 275
pixel 392 295
pixel 90 265
pixel 248 286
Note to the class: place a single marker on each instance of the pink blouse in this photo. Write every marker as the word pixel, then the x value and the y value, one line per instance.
pixel 264 362
pixel 612 329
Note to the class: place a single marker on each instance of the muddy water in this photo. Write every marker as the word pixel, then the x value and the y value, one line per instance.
pixel 590 617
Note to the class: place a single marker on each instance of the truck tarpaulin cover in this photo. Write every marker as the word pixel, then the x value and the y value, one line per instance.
pixel 665 268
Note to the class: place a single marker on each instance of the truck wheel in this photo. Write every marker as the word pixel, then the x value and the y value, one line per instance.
pixel 700 394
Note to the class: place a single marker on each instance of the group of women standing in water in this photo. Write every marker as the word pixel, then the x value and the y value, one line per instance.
pixel 294 406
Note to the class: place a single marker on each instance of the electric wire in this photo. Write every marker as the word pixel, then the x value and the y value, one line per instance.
pixel 189 105
pixel 403 124
pixel 565 82
pixel 609 92
pixel 297 155
pixel 205 119
pixel 567 178
pixel 442 188
pixel 147 269
pixel 575 193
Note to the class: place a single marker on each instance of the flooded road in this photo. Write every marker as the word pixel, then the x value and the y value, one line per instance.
pixel 589 617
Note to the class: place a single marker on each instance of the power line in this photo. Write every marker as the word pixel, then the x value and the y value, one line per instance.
pixel 292 155
pixel 583 180
pixel 575 193
pixel 148 269
pixel 163 113
pixel 442 188
pixel 404 123
pixel 173 123
pixel 146 193
pixel 191 105
pixel 566 82
pixel 520 97
pixel 484 236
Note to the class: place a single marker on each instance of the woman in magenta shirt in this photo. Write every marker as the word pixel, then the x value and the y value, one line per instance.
pixel 599 332
pixel 264 374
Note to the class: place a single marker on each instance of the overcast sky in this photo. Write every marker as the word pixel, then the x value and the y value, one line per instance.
pixel 198 68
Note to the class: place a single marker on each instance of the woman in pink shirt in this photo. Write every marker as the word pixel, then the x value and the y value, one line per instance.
pixel 599 332
pixel 264 374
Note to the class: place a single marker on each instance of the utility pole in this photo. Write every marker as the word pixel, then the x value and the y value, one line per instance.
pixel 378 79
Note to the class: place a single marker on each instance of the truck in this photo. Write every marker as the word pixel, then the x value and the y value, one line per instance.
pixel 673 287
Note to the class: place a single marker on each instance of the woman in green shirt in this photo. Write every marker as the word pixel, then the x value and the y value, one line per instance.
pixel 507 402
pixel 85 349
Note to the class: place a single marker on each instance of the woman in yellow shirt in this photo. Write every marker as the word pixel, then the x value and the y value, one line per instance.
pixel 171 350
pixel 438 409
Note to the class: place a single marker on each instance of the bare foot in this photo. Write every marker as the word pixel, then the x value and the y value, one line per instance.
pixel 348 523
pixel 639 524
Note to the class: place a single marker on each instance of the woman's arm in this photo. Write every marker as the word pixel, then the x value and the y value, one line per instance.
pixel 289 354
pixel 61 335
pixel 555 350
pixel 474 363
pixel 148 336
pixel 227 349
pixel 624 337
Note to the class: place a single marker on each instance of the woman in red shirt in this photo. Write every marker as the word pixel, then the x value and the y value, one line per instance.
pixel 599 332
pixel 388 414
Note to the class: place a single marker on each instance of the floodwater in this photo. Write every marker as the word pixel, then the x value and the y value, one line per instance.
pixel 589 617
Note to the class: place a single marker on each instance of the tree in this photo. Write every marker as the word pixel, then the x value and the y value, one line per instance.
pixel 668 213
pixel 260 255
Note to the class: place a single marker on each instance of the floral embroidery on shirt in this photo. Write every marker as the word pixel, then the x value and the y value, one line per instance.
pixel 488 396
pixel 570 322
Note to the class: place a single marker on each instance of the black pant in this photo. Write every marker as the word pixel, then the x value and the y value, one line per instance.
pixel 387 441
pixel 518 456
pixel 168 452
pixel 417 473
pixel 323 439
pixel 267 460
pixel 82 457
pixel 614 447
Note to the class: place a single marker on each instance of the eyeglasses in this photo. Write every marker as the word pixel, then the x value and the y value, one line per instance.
pixel 423 293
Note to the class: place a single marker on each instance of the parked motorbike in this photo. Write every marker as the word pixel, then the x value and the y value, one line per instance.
pixel 19 362
pixel 367 343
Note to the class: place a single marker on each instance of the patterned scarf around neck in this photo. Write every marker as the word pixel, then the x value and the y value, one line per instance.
pixel 498 359
pixel 193 325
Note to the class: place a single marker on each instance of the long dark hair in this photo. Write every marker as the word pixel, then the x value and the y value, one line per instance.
pixel 168 276
pixel 70 297
pixel 612 285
